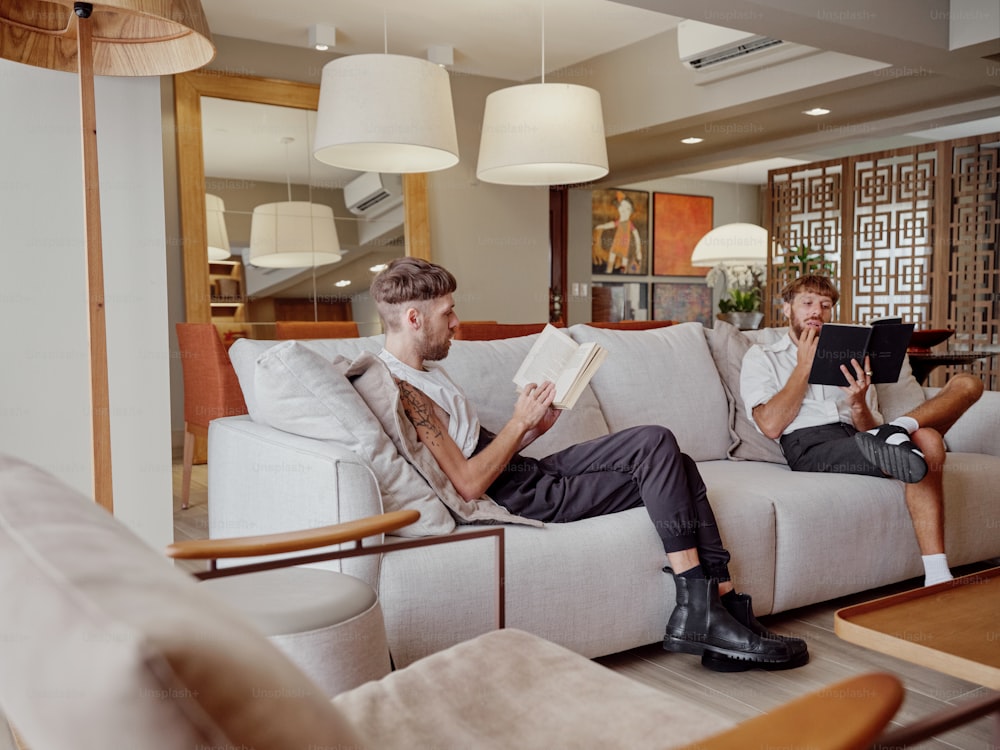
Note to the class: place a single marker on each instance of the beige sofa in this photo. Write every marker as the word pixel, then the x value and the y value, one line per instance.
pixel 318 449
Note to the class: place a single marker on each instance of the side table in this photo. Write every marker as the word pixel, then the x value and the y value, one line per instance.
pixel 950 627
pixel 923 363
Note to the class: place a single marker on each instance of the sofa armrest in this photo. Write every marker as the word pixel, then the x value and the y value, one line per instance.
pixel 975 431
pixel 265 481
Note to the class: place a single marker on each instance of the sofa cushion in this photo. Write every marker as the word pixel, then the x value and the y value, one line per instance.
pixel 299 391
pixel 485 370
pixel 728 345
pixel 244 353
pixel 664 376
pixel 106 645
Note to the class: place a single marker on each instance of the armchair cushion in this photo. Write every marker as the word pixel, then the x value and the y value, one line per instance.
pixel 104 644
pixel 301 392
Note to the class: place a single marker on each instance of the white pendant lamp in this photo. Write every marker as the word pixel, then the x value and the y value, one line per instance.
pixel 385 113
pixel 739 243
pixel 293 234
pixel 543 134
pixel 215 225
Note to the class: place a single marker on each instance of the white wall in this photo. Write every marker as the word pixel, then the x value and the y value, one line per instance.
pixel 493 238
pixel 44 383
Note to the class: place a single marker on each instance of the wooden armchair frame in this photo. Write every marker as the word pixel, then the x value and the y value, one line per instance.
pixel 849 715
pixel 349 532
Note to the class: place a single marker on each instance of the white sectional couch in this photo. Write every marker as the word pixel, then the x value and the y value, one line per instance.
pixel 595 585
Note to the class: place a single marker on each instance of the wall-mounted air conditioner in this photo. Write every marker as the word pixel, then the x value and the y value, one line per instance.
pixel 718 50
pixel 371 194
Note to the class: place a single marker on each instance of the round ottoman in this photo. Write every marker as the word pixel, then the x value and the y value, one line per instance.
pixel 328 623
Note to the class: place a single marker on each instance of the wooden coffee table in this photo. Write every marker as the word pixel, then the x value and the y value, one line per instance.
pixel 953 627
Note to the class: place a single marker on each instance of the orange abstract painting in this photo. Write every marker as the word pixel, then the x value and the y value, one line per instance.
pixel 679 221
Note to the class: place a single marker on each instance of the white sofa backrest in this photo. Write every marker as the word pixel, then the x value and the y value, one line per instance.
pixel 663 376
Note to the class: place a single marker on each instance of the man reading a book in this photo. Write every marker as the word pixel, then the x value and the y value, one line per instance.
pixel 840 429
pixel 632 468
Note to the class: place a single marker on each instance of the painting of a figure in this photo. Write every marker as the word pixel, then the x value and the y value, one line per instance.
pixel 620 220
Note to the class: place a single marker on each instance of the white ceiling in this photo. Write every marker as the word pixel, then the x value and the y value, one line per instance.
pixel 931 88
pixel 930 81
pixel 494 38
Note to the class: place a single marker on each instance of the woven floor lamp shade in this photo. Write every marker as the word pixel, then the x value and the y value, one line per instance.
pixel 116 38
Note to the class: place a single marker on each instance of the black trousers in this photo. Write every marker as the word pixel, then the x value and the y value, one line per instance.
pixel 830 448
pixel 634 467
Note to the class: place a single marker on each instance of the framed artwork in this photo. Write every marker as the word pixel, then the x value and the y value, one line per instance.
pixel 620 223
pixel 683 302
pixel 613 301
pixel 679 221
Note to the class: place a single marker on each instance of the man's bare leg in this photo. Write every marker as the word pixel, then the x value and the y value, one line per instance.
pixel 943 409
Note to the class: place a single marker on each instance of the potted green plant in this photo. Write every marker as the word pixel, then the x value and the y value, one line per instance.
pixel 741 306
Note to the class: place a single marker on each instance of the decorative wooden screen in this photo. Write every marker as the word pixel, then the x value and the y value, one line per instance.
pixel 910 232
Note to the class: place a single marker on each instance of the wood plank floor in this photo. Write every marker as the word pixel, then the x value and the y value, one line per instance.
pixel 744 695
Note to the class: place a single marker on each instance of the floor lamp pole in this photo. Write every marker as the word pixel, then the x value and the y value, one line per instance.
pixel 99 399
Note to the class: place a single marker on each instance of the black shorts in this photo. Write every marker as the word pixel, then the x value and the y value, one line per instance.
pixel 830 448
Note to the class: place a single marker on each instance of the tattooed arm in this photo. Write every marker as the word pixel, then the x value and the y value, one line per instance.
pixel 472 476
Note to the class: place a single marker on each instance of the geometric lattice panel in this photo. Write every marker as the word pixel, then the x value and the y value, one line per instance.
pixel 893 237
pixel 973 276
pixel 875 218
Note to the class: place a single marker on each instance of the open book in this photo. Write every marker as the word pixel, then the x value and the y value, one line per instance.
pixel 884 342
pixel 557 357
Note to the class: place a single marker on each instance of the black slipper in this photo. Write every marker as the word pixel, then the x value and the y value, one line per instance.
pixel 900 459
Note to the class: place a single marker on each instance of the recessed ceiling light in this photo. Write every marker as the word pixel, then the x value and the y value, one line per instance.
pixel 691 140
pixel 343 282
pixel 379 268
pixel 816 112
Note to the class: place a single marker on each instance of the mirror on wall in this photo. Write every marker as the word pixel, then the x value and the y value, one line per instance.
pixel 245 143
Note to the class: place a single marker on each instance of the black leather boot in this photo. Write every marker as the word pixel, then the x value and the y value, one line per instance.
pixel 700 624
pixel 740 606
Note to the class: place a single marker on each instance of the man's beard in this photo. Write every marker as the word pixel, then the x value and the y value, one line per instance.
pixel 798 326
pixel 436 351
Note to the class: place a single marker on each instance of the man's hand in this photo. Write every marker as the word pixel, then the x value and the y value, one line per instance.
pixel 806 352
pixel 533 406
pixel 857 386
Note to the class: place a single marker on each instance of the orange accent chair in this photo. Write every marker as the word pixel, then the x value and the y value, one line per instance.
pixel 211 389
pixel 310 329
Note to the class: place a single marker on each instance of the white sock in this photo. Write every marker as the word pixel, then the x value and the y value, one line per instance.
pixel 907 423
pixel 936 569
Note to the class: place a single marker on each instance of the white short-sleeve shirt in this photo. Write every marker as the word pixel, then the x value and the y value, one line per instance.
pixel 437 385
pixel 766 369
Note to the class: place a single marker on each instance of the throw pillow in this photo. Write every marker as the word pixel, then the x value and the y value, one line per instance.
pixel 301 392
pixel 664 376
pixel 728 345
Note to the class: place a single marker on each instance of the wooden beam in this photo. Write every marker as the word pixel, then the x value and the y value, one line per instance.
pixel 416 222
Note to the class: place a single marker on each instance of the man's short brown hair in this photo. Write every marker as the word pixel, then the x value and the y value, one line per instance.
pixel 411 280
pixel 814 283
